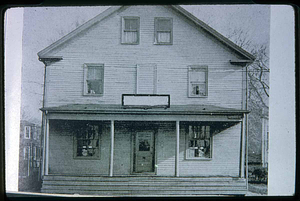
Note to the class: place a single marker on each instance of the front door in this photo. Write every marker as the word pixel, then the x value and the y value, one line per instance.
pixel 144 151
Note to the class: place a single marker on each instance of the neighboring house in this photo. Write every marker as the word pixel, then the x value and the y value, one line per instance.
pixel 30 157
pixel 145 100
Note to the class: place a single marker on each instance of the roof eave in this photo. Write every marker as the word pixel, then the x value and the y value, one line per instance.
pixel 212 31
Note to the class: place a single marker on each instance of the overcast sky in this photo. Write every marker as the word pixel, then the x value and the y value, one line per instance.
pixel 43 26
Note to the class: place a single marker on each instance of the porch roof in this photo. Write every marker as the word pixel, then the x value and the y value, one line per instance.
pixel 118 109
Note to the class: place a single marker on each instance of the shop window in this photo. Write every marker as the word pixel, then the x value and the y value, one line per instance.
pixel 198 142
pixel 87 142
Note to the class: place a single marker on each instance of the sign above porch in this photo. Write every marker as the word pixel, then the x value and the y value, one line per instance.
pixel 146 101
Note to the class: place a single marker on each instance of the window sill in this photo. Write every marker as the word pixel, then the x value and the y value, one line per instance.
pixel 198 159
pixel 86 158
pixel 197 96
pixel 96 95
pixel 129 43
pixel 163 43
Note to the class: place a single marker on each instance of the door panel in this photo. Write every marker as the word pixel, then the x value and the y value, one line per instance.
pixel 144 151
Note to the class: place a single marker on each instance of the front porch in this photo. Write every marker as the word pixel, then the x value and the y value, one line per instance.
pixel 144 152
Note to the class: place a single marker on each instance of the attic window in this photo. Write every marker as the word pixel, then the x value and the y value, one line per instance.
pixel 130 30
pixel 163 29
pixel 93 79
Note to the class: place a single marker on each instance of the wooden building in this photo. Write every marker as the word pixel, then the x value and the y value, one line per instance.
pixel 30 157
pixel 145 100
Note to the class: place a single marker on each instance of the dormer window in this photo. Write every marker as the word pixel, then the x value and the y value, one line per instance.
pixel 163 31
pixel 130 30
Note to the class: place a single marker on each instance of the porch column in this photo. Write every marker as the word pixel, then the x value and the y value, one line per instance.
pixel 112 136
pixel 177 150
pixel 47 147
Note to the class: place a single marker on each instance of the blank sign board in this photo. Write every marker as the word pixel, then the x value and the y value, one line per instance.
pixel 145 100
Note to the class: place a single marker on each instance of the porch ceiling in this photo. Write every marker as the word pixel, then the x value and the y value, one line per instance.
pixel 118 109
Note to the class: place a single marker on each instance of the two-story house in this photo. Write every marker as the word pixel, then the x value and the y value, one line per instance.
pixel 29 157
pixel 145 100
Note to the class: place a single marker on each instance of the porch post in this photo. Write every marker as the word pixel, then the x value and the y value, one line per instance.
pixel 112 133
pixel 177 150
pixel 47 148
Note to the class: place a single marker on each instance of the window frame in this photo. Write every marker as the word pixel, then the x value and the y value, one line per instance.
pixel 25 137
pixel 86 67
pixel 75 144
pixel 187 139
pixel 156 42
pixel 191 69
pixel 123 18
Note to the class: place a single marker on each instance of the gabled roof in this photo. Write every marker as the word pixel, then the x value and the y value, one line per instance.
pixel 43 53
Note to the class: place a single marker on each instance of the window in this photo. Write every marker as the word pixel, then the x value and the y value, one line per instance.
pixel 198 142
pixel 26 151
pixel 163 30
pixel 87 141
pixel 93 79
pixel 198 81
pixel 27 132
pixel 34 153
pixel 34 132
pixel 130 30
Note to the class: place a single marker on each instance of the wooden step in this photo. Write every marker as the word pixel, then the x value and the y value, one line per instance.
pixel 112 186
pixel 146 178
pixel 148 193
pixel 142 183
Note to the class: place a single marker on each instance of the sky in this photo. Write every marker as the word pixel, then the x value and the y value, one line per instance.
pixel 44 25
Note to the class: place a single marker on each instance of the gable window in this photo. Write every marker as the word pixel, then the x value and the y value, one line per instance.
pixel 198 77
pixel 27 132
pixel 130 30
pixel 87 141
pixel 163 30
pixel 198 142
pixel 93 79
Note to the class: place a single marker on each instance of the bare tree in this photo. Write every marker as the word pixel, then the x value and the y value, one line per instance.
pixel 258 83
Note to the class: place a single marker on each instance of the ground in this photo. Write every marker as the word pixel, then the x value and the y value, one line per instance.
pixel 257 190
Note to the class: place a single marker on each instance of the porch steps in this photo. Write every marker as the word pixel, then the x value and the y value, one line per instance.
pixel 142 186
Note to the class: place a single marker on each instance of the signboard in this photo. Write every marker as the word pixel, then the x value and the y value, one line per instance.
pixel 145 101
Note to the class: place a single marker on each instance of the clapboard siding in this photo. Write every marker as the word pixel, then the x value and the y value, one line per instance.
pixel 224 162
pixel 101 44
pixel 225 156
pixel 61 160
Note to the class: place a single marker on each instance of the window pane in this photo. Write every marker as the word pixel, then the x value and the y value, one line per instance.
pixel 94 73
pixel 164 25
pixel 131 24
pixel 164 37
pixel 199 89
pixel 88 143
pixel 198 76
pixel 198 145
pixel 144 145
pixel 130 37
pixel 94 86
